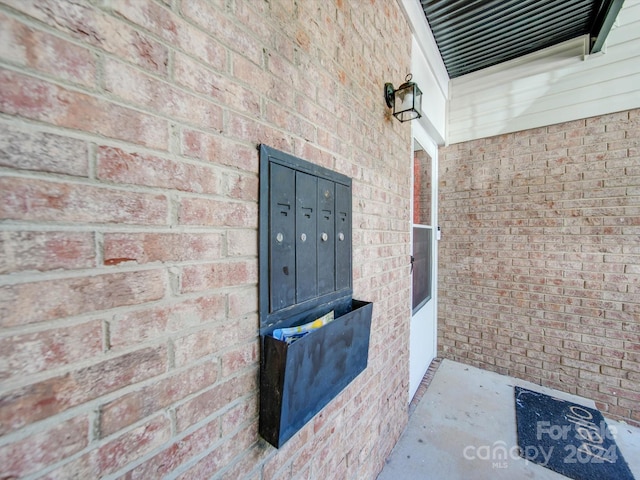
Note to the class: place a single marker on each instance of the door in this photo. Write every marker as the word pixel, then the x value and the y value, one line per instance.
pixel 423 338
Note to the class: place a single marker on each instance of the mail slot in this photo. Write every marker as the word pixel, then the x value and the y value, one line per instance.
pixel 305 274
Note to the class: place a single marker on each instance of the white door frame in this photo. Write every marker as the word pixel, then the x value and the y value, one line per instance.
pixel 428 313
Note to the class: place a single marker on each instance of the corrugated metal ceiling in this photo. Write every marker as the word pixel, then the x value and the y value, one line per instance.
pixel 475 34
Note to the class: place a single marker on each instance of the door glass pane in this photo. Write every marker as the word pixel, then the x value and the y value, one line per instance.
pixel 421 267
pixel 422 231
pixel 421 186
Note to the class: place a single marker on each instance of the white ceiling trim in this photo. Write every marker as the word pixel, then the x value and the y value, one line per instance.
pixel 422 33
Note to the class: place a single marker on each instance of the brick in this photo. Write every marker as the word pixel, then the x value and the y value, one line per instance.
pixel 250 462
pixel 622 393
pixel 29 199
pixel 132 445
pixel 605 342
pixel 48 446
pixel 173 30
pixel 116 165
pixel 236 416
pixel 228 30
pixel 27 303
pixel 36 99
pixel 627 403
pixel 207 403
pixel 45 53
pixel 36 352
pixel 177 453
pixel 596 379
pixel 600 360
pixel 581 167
pixel 49 397
pixel 217 213
pixel 44 251
pixel 239 186
pixel 80 467
pixel 211 340
pixel 34 150
pixel 243 302
pixel 315 114
pixel 251 18
pixel 135 406
pixel 239 358
pixel 246 129
pixel 157 96
pixel 612 372
pixel 290 122
pixel 133 328
pixel 217 149
pixel 262 81
pixel 242 243
pixel 217 275
pixel 200 79
pixel 102 31
pixel 609 118
pixel 222 454
pixel 161 247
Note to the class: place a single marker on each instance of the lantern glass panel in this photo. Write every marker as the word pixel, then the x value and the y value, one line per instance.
pixel 417 103
pixel 408 102
pixel 404 98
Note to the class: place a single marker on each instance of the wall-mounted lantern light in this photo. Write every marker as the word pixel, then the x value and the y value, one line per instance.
pixel 406 100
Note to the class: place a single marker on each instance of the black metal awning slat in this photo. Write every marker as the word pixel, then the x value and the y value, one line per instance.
pixel 475 34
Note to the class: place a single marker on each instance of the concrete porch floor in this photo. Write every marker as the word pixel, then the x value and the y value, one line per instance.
pixel 465 408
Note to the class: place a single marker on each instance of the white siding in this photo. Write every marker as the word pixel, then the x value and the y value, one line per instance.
pixel 555 85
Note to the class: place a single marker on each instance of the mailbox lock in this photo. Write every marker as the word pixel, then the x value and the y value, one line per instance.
pixel 341 236
pixel 324 237
pixel 279 237
pixel 303 237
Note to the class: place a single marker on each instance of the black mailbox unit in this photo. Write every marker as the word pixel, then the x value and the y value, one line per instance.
pixel 305 272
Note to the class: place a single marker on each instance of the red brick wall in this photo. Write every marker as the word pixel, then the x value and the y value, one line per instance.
pixel 422 188
pixel 128 234
pixel 539 262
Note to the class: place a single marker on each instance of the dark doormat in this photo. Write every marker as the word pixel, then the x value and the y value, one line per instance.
pixel 568 438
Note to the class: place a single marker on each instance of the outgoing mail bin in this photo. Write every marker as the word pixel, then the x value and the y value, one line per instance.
pixel 299 379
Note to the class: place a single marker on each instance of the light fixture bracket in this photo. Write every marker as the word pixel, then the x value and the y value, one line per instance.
pixel 388 94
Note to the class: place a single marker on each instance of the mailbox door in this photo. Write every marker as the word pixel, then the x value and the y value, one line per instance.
pixel 282 259
pixel 306 228
pixel 343 236
pixel 326 236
